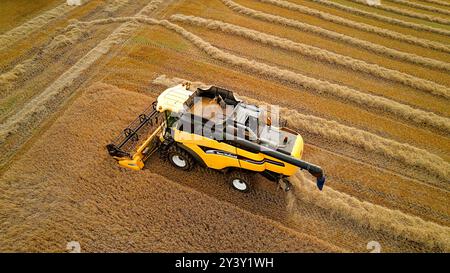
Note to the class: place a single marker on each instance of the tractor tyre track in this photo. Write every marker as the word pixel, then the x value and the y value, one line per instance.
pixel 382 18
pixel 375 48
pixel 22 31
pixel 42 105
pixel 317 53
pixel 409 13
pixel 361 26
pixel 421 6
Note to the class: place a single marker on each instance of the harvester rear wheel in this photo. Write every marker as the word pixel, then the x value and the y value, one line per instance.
pixel 180 158
pixel 240 181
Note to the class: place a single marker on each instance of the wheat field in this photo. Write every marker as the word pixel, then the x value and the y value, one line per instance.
pixel 367 87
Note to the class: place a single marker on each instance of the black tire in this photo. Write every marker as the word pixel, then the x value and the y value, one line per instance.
pixel 180 159
pixel 240 181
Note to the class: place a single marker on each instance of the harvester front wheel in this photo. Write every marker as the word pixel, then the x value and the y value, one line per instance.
pixel 240 181
pixel 180 159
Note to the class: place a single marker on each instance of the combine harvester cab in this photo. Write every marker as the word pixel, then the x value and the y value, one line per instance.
pixel 213 128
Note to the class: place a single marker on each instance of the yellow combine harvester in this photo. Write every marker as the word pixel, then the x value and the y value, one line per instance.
pixel 215 129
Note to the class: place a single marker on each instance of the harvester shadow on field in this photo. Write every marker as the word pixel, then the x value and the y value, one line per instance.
pixel 266 198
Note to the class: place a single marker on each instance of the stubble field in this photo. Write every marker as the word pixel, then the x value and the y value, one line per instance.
pixel 367 87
